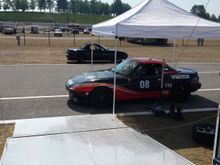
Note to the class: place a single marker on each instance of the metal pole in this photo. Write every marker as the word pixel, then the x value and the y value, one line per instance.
pixel 217 138
pixel 174 53
pixel 162 80
pixel 92 53
pixel 49 36
pixel 114 87
pixel 24 36
pixel 74 39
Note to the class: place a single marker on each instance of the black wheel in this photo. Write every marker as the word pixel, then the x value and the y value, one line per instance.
pixel 101 97
pixel 204 133
pixel 180 92
pixel 79 61
pixel 119 60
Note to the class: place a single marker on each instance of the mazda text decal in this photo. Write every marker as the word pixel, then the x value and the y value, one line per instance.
pixel 180 77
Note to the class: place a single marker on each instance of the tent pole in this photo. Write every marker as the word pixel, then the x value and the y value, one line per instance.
pixel 114 88
pixel 92 53
pixel 174 53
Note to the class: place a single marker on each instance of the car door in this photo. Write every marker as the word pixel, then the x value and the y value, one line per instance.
pixel 98 53
pixel 145 78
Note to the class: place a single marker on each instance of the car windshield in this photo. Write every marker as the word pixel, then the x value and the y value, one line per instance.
pixel 126 67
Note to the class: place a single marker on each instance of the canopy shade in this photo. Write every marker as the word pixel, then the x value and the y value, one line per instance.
pixel 158 19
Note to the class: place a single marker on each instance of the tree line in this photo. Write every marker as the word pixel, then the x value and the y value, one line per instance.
pixel 95 7
pixel 200 11
pixel 63 6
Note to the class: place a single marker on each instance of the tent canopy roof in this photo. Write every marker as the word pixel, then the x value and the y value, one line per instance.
pixel 158 19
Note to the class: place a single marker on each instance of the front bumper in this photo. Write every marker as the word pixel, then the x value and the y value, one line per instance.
pixel 195 87
pixel 76 97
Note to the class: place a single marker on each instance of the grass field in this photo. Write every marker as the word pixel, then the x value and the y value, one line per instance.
pixel 51 18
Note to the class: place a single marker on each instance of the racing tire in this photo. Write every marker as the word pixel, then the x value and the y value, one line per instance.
pixel 180 92
pixel 101 97
pixel 119 60
pixel 79 61
pixel 204 133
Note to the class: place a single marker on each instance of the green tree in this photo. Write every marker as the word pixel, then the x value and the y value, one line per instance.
pixel 7 4
pixel 219 18
pixel 125 7
pixel 214 18
pixel 73 6
pixel 49 5
pixel 116 7
pixel 62 6
pixel 104 9
pixel 85 7
pixel 200 11
pixel 94 7
pixel 41 4
pixel 32 4
pixel 24 5
pixel 16 5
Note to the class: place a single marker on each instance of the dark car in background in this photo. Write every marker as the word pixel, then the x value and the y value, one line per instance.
pixel 136 78
pixel 101 54
pixel 8 30
pixel 75 31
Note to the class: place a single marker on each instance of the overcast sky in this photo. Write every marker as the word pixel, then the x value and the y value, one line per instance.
pixel 213 6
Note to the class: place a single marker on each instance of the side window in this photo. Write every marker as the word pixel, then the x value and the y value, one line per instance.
pixel 145 70
pixel 157 69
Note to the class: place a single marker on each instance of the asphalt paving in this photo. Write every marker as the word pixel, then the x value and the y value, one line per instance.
pixel 17 81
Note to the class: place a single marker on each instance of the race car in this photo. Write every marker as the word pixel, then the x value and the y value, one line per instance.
pixel 136 78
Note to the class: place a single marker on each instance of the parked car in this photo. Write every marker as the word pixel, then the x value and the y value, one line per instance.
pixel 101 54
pixel 9 30
pixel 86 31
pixel 75 31
pixel 136 78
pixel 58 33
pixel 35 29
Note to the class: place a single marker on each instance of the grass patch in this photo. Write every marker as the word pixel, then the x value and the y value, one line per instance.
pixel 6 130
pixel 51 18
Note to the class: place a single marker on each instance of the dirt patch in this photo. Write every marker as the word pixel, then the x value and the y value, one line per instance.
pixel 38 51
pixel 6 130
pixel 176 135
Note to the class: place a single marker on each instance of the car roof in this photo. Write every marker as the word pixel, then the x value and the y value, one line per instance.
pixel 149 60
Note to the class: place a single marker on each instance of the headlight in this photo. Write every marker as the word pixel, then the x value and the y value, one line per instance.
pixel 70 82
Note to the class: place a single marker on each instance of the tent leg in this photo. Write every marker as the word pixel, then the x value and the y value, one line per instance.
pixel 114 88
pixel 92 53
pixel 174 53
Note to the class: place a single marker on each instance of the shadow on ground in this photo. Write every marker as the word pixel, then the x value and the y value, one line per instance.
pixel 195 102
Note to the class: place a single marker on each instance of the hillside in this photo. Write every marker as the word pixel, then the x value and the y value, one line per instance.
pixel 51 18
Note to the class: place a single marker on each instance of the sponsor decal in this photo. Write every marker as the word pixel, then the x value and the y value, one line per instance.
pixel 177 77
pixel 144 84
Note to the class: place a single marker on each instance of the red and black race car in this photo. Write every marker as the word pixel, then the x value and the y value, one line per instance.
pixel 136 78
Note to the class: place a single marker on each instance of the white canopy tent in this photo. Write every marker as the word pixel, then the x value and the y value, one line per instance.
pixel 156 19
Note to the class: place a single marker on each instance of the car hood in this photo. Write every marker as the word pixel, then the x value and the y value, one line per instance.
pixel 186 71
pixel 88 77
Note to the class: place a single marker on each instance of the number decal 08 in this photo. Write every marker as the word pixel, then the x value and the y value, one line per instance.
pixel 144 84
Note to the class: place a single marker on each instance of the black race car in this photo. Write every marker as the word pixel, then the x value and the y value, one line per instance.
pixel 101 54
pixel 138 78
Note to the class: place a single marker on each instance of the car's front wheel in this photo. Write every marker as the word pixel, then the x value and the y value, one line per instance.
pixel 101 97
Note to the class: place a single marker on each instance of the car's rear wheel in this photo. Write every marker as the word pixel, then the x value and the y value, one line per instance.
pixel 79 61
pixel 119 60
pixel 101 97
pixel 180 92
